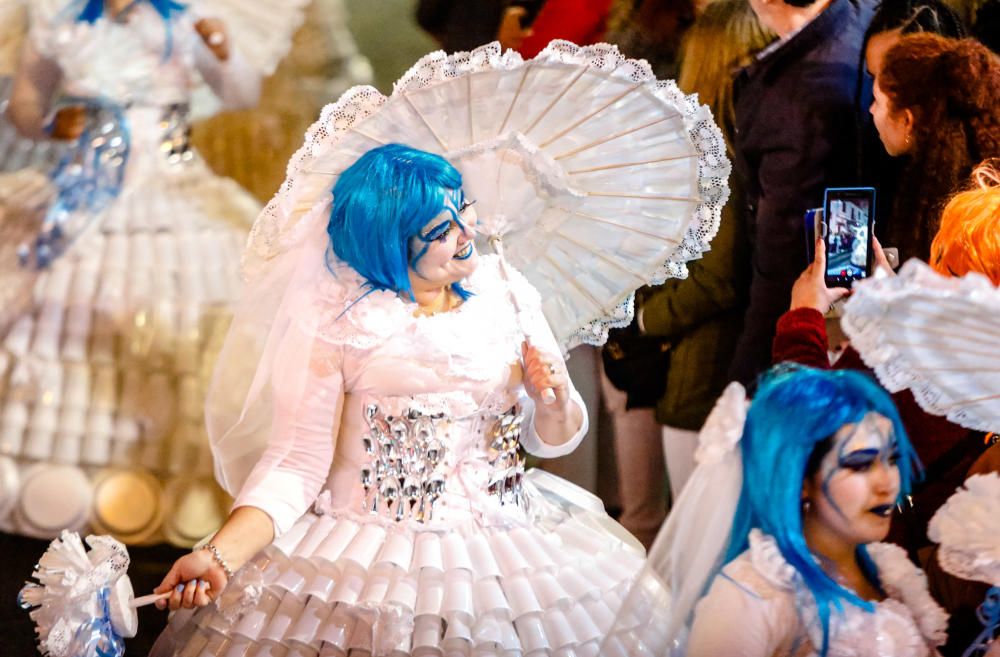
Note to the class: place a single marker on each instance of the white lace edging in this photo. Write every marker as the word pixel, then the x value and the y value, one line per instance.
pixel 967 528
pixel 971 298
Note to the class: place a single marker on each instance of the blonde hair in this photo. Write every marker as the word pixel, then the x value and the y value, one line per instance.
pixel 969 237
pixel 723 38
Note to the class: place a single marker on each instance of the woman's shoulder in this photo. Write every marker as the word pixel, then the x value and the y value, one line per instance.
pixel 340 308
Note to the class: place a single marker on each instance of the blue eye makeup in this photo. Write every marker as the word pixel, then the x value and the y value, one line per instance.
pixel 439 232
pixel 859 460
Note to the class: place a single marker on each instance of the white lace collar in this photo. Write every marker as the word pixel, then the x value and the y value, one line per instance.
pixel 474 339
pixel 908 623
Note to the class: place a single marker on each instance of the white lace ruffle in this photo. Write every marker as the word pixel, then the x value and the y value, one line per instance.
pixel 935 336
pixel 905 582
pixel 967 529
pixel 907 624
pixel 469 341
pixel 356 122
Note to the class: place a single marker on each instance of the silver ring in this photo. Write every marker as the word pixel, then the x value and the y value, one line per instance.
pixel 552 369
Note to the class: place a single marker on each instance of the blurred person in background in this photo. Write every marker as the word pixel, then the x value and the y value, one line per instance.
pixel 893 20
pixel 581 21
pixel 795 135
pixel 651 30
pixel 968 241
pixel 700 316
pixel 936 104
pixel 462 25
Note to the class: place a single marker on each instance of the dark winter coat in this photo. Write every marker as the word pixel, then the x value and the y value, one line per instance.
pixel 796 134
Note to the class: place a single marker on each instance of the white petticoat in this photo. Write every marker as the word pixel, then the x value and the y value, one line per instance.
pixel 548 582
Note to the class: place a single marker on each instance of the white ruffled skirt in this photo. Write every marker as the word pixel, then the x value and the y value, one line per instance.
pixel 102 378
pixel 549 583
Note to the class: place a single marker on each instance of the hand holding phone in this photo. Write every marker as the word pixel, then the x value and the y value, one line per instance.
pixel 849 220
pixel 811 290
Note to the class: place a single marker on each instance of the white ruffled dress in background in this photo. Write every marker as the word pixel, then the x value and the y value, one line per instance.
pixel 489 563
pixel 760 597
pixel 101 385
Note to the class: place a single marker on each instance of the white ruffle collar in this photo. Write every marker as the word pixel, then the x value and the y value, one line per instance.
pixel 474 339
pixel 908 623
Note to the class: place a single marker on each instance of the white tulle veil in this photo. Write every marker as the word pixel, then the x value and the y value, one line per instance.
pixel 689 549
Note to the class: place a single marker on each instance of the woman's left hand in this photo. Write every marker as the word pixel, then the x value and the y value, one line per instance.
pixel 810 290
pixel 213 32
pixel 542 372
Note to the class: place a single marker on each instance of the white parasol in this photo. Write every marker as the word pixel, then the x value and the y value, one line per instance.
pixel 936 336
pixel 595 177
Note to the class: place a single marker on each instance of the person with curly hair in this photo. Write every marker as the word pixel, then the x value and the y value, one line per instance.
pixel 936 102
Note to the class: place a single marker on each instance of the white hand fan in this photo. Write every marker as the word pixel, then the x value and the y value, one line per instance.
pixel 260 29
pixel 83 601
pixel 936 336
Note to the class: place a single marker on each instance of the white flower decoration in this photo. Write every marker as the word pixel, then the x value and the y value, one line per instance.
pixel 967 527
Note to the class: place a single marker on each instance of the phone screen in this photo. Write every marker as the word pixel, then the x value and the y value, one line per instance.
pixel 849 215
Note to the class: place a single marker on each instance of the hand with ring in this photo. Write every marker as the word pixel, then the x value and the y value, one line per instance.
pixel 213 32
pixel 542 372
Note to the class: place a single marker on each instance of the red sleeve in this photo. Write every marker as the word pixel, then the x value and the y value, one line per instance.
pixel 579 22
pixel 800 337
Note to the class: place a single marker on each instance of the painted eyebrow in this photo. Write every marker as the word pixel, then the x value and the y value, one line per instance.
pixel 859 455
pixel 436 231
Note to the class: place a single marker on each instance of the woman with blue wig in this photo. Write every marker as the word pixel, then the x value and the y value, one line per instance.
pixel 825 463
pixel 368 414
pixel 138 259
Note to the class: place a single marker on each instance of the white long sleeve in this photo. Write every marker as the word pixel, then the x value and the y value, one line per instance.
pixel 307 409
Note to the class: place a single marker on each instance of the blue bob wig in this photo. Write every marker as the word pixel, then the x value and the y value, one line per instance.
pixel 795 410
pixel 94 9
pixel 381 202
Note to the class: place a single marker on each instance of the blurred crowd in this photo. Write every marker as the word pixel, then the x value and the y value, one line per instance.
pixel 902 96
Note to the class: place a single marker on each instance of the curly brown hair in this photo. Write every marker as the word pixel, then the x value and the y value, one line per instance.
pixel 952 88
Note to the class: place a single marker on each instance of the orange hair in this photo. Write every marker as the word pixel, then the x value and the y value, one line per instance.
pixel 969 237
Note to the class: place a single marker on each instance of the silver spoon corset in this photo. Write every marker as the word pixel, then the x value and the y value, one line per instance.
pixel 411 460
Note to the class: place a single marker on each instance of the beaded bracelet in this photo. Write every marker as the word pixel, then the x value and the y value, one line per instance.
pixel 217 557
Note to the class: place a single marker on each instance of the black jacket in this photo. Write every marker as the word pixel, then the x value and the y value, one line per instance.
pixel 796 134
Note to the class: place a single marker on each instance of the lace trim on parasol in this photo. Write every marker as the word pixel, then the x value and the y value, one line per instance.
pixel 875 300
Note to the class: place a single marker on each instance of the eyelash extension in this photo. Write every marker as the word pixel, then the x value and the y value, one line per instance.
pixel 466 204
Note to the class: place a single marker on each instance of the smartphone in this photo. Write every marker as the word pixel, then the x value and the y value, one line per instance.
pixel 813 225
pixel 849 225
